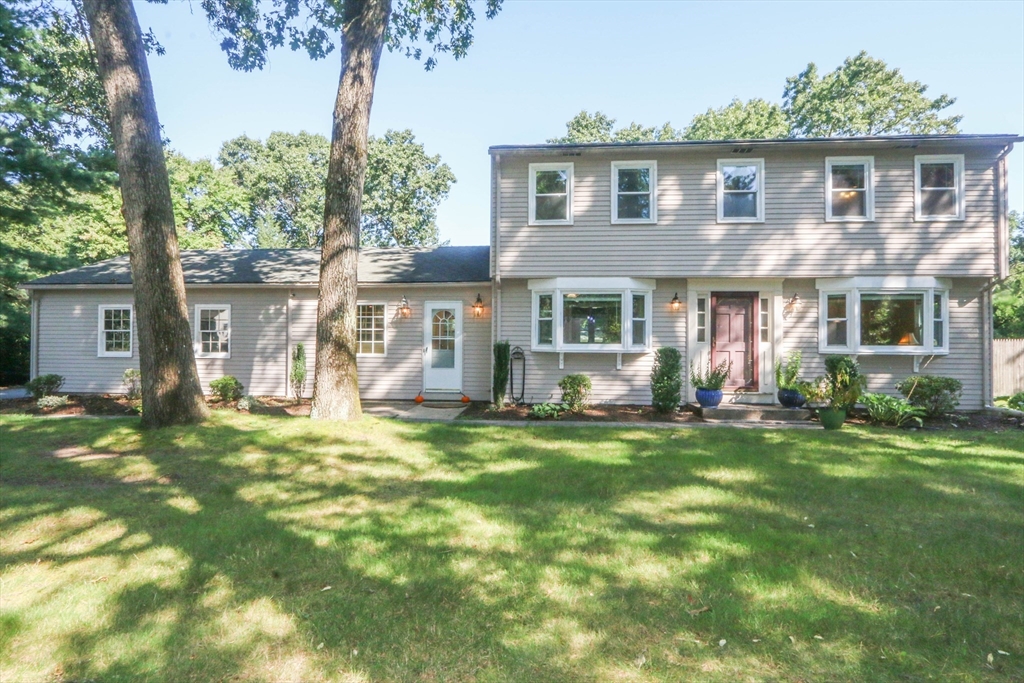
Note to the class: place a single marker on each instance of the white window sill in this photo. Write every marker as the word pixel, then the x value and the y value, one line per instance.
pixel 115 354
pixel 941 219
pixel 577 349
pixel 851 219
pixel 635 221
pixel 884 351
pixel 741 220
pixel 546 223
pixel 213 355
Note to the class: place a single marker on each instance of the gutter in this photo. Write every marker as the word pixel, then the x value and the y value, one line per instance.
pixel 258 285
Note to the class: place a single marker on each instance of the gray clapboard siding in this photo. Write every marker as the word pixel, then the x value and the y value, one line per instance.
pixel 399 373
pixel 964 361
pixel 794 239
pixel 630 385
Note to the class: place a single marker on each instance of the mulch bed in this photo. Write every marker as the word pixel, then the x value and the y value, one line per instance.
pixel 78 404
pixel 602 413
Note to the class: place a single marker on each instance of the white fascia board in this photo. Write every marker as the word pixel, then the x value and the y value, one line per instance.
pixel 594 283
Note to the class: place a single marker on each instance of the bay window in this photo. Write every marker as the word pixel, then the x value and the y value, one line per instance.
pixel 591 314
pixel 888 316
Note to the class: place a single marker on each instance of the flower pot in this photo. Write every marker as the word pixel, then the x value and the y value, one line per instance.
pixel 832 418
pixel 791 398
pixel 709 398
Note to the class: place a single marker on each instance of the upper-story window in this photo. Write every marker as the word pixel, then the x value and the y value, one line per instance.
pixel 634 192
pixel 939 187
pixel 740 190
pixel 849 189
pixel 551 194
pixel 115 337
pixel 213 331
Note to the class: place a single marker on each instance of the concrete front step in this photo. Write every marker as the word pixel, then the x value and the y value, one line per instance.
pixel 734 412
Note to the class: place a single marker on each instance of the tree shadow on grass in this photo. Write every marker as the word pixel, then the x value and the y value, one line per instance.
pixel 462 552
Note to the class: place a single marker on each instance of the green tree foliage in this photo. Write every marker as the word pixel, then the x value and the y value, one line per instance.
pixel 751 120
pixel 863 96
pixel 285 178
pixel 402 191
pixel 1008 296
pixel 209 207
pixel 598 127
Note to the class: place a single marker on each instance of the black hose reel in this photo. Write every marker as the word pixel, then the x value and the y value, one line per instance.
pixel 518 357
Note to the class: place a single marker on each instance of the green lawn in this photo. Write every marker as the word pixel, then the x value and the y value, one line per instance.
pixel 264 548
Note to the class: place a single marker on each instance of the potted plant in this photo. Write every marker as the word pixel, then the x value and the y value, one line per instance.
pixel 709 383
pixel 787 382
pixel 836 392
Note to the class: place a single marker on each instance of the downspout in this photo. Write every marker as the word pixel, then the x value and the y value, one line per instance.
pixel 496 263
pixel 288 294
pixel 33 338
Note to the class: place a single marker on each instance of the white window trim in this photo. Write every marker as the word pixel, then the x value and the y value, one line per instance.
pixel 559 166
pixel 625 287
pixel 197 337
pixel 373 303
pixel 958 171
pixel 651 166
pixel 869 188
pixel 853 288
pixel 101 337
pixel 720 185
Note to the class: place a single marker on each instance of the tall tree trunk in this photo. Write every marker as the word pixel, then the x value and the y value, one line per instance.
pixel 171 392
pixel 335 382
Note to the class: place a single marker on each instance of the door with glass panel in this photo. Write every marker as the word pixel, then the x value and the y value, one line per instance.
pixel 442 347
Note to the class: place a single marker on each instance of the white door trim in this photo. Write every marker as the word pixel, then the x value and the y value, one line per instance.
pixel 446 380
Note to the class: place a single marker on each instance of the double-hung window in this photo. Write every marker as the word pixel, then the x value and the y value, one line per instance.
pixel 213 331
pixel 888 316
pixel 740 190
pixel 115 331
pixel 634 192
pixel 939 187
pixel 370 329
pixel 849 189
pixel 592 314
pixel 551 194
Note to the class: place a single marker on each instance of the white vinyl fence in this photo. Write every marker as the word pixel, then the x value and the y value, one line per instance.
pixel 1007 366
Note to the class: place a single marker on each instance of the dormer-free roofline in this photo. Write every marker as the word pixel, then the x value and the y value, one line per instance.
pixel 895 141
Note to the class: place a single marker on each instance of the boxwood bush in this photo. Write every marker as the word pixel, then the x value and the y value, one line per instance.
pixel 575 392
pixel 227 388
pixel 936 395
pixel 667 379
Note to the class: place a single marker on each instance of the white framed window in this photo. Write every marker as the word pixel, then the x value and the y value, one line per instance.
pixel 885 316
pixel 371 330
pixel 213 331
pixel 740 190
pixel 592 315
pixel 702 319
pixel 634 192
pixel 849 188
pixel 939 187
pixel 115 331
pixel 551 193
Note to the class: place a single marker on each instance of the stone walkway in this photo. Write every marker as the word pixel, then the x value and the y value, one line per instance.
pixel 415 412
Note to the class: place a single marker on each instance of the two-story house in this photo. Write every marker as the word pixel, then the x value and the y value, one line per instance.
pixel 883 248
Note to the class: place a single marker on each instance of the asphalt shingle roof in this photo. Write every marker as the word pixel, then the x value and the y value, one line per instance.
pixel 295 267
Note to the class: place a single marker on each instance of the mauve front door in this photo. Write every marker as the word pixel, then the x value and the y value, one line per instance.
pixel 733 339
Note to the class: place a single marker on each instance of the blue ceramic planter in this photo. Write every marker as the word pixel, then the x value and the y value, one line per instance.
pixel 709 398
pixel 791 398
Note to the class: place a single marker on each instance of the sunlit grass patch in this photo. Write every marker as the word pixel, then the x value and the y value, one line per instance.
pixel 265 548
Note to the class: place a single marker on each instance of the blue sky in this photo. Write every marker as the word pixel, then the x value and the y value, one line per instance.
pixel 538 63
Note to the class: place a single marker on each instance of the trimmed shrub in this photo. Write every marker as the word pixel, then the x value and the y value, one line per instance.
pixel 51 402
pixel 502 361
pixel 575 392
pixel 132 380
pixel 890 410
pixel 667 379
pixel 937 395
pixel 227 389
pixel 45 385
pixel 298 374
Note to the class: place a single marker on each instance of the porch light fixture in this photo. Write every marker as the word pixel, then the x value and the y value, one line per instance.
pixel 792 305
pixel 675 303
pixel 403 308
pixel 478 307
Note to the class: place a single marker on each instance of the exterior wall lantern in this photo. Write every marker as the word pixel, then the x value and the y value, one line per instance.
pixel 403 308
pixel 478 307
pixel 792 306
pixel 675 303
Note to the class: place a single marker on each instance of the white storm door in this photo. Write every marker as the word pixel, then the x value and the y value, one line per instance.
pixel 442 346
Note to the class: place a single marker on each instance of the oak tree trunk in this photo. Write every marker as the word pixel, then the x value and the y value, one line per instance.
pixel 171 392
pixel 335 382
